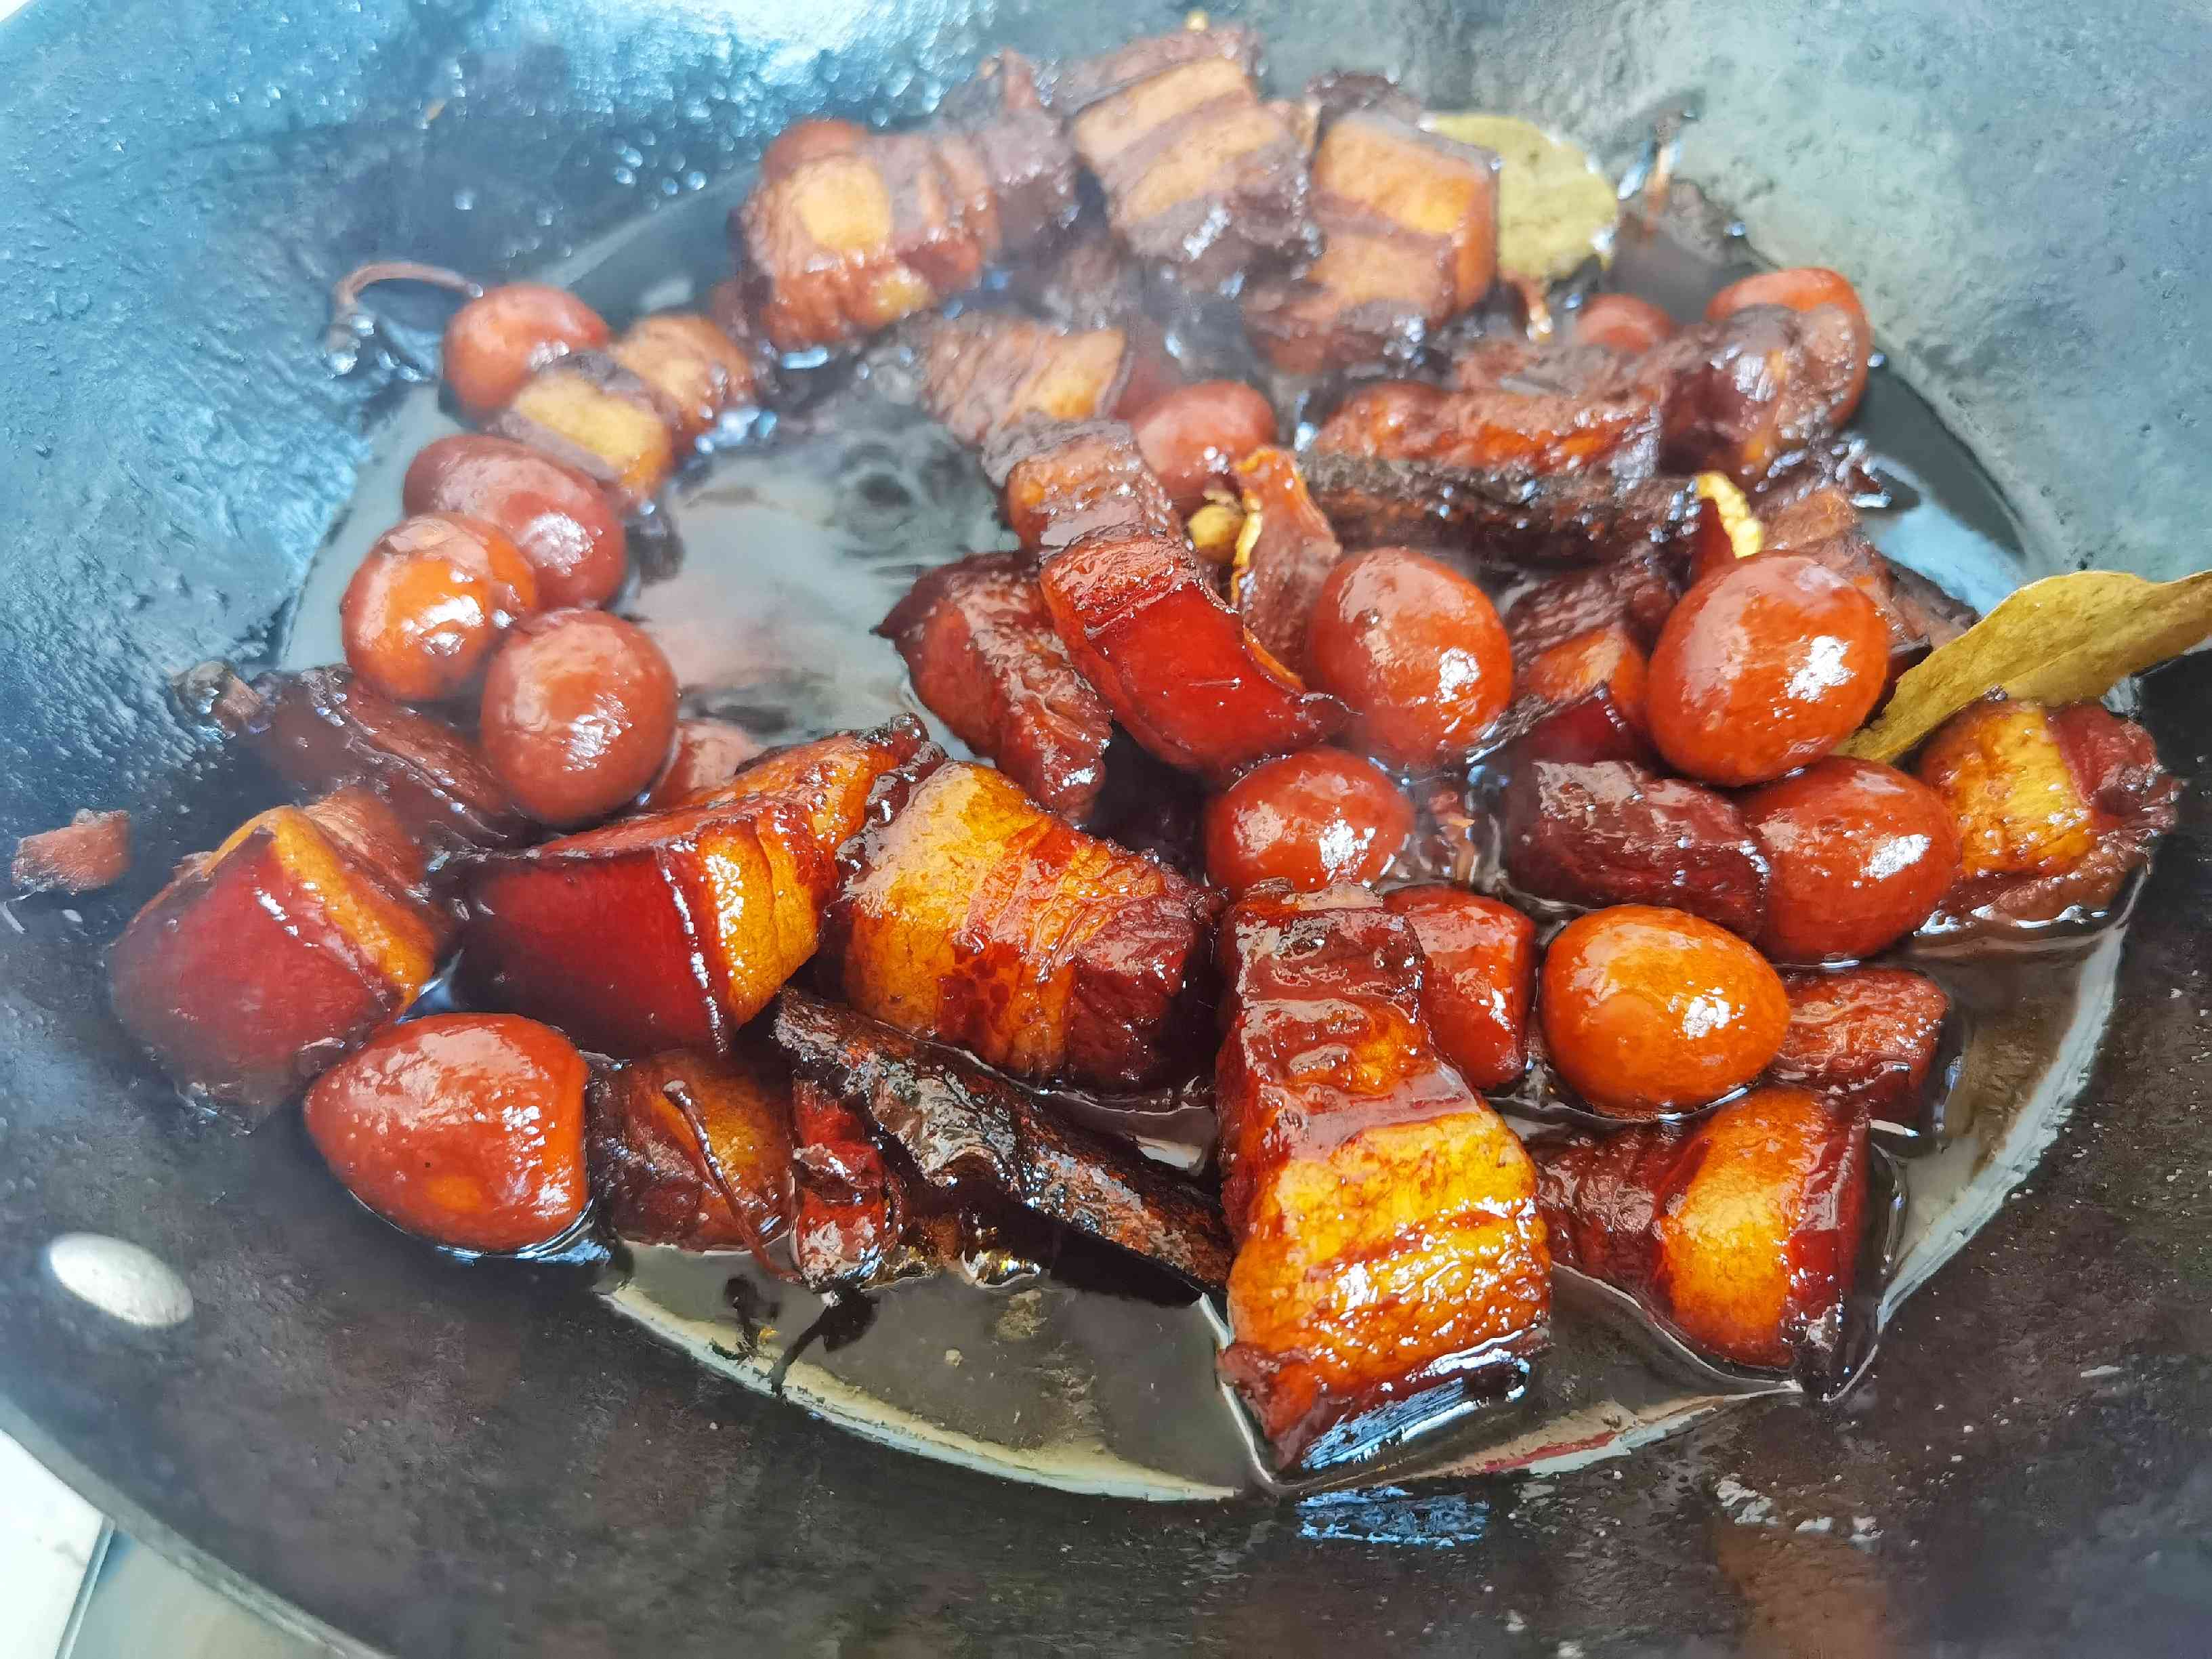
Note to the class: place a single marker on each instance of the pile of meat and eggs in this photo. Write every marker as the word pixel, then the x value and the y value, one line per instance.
pixel 1580 623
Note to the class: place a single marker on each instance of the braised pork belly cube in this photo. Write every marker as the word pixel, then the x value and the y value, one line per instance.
pixel 321 729
pixel 860 1219
pixel 673 929
pixel 698 372
pixel 963 1125
pixel 265 962
pixel 1613 833
pixel 1391 1261
pixel 1281 565
pixel 1742 1232
pixel 589 411
pixel 985 660
pixel 976 917
pixel 1514 433
pixel 984 371
pixel 1200 174
pixel 1605 660
pixel 695 1149
pixel 1409 223
pixel 847 231
pixel 1555 518
pixel 1064 481
pixel 1477 978
pixel 1636 593
pixel 1754 395
pixel 1868 1034
pixel 2056 807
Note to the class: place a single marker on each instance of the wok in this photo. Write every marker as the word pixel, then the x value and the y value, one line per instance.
pixel 414 1455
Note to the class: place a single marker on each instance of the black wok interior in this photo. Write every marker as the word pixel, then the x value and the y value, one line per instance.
pixel 428 1458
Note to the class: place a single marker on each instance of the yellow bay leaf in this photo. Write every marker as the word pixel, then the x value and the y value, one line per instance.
pixel 2065 639
pixel 1554 208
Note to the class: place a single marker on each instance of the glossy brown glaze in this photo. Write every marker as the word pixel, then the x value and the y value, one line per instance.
pixel 556 516
pixel 1477 978
pixel 429 601
pixel 1417 652
pixel 1757 394
pixel 1605 660
pixel 322 729
pixel 1390 1259
pixel 1063 482
pixel 579 712
pixel 1861 855
pixel 1805 288
pixel 1764 666
pixel 1193 437
pixel 1613 833
pixel 1648 1010
pixel 986 659
pixel 960 1123
pixel 2054 808
pixel 90 851
pixel 464 1129
pixel 1623 323
pixel 1637 593
pixel 694 1149
pixel 1279 568
pixel 1409 225
pixel 1311 819
pixel 671 930
pixel 1741 1231
pixel 973 916
pixel 496 341
pixel 1868 1035
pixel 262 963
pixel 1513 433
pixel 705 755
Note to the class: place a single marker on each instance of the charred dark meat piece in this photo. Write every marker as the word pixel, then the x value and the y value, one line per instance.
pixel 1636 592
pixel 1511 433
pixel 672 929
pixel 1757 393
pixel 1864 1034
pixel 860 1219
pixel 848 230
pixel 1613 833
pixel 973 916
pixel 1389 1257
pixel 961 1122
pixel 987 370
pixel 985 660
pixel 1741 1231
pixel 1409 222
pixel 694 1149
pixel 1198 174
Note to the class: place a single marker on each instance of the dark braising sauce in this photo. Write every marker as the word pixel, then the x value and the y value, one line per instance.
pixel 768 565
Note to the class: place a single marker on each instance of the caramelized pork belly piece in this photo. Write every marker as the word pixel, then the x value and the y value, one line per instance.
pixel 694 1149
pixel 1865 1034
pixel 1824 525
pixel 987 370
pixel 985 660
pixel 1198 174
pixel 973 916
pixel 1064 481
pixel 1754 395
pixel 1391 1261
pixel 1280 570
pixel 322 729
pixel 1513 433
pixel 706 755
pixel 590 412
pixel 960 1123
pixel 848 230
pixel 1574 518
pixel 90 851
pixel 1179 669
pixel 697 372
pixel 265 962
pixel 860 1219
pixel 2055 808
pixel 1605 661
pixel 1409 222
pixel 1636 592
pixel 673 929
pixel 1741 1231
pixel 1477 978
pixel 1090 282
pixel 1613 833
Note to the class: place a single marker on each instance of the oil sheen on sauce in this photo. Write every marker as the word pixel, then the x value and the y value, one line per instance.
pixel 765 570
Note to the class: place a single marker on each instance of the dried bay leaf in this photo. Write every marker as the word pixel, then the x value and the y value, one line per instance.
pixel 2065 639
pixel 1554 208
